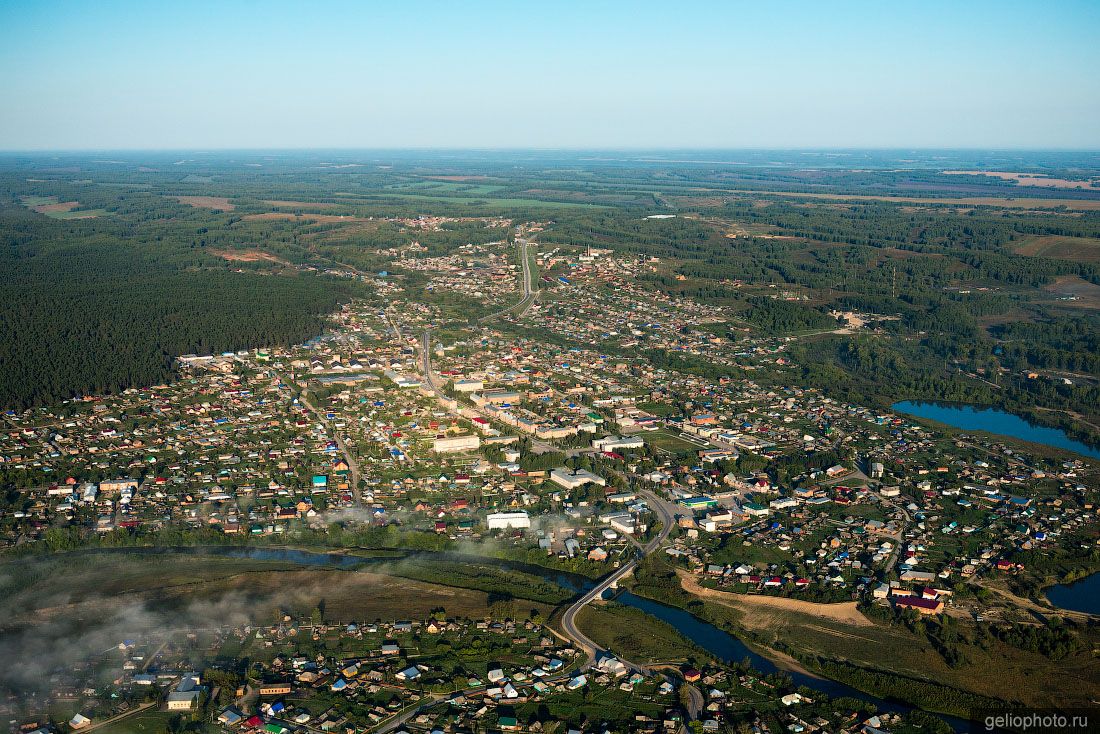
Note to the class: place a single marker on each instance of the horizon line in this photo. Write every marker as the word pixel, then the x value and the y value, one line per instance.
pixel 557 149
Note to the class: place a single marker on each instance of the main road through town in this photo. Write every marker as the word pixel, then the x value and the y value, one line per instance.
pixel 529 292
pixel 666 513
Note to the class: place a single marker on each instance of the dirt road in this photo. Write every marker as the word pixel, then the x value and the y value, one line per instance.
pixel 844 612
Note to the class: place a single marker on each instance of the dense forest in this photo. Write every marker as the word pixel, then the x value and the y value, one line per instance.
pixel 82 312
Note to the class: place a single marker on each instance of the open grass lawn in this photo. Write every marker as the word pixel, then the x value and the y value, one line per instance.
pixel 668 442
pixel 152 722
pixel 1001 672
pixel 54 208
pixel 97 584
pixel 863 510
pixel 636 636
pixel 1071 291
pixel 661 410
pixel 77 214
pixel 735 551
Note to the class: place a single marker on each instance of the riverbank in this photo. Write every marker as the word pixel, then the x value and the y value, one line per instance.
pixel 842 612
pixel 873 653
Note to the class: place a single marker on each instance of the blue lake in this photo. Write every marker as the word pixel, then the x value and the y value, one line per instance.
pixel 970 418
pixel 1080 596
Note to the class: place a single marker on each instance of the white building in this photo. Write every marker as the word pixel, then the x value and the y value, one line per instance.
pixel 456 443
pixel 616 443
pixel 502 520
pixel 182 700
pixel 573 478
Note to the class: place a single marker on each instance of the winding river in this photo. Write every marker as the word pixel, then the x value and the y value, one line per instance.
pixel 721 644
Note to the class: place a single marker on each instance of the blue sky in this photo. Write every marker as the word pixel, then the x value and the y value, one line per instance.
pixel 112 75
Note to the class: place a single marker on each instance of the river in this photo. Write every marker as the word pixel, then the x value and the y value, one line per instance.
pixel 991 420
pixel 721 644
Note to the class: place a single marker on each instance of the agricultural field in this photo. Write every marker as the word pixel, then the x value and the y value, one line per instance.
pixel 217 203
pixel 1078 249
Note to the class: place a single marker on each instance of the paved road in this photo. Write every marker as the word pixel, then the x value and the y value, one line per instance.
pixel 695 702
pixel 666 512
pixel 529 293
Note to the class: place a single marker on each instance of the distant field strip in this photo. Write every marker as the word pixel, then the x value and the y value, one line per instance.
pixel 54 209
pixel 207 202
pixel 1077 204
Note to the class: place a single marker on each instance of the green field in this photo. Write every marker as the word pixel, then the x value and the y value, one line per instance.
pixel 668 442
pixel 636 636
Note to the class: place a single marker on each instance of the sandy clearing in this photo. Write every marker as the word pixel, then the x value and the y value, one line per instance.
pixel 248 256
pixel 1072 291
pixel 844 612
pixel 63 206
pixel 207 202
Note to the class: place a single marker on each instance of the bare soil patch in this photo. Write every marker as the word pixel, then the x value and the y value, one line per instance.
pixel 844 612
pixel 248 256
pixel 62 206
pixel 207 202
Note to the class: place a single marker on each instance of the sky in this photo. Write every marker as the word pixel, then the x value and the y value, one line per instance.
pixel 193 75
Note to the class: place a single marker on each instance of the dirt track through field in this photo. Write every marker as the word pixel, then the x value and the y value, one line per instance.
pixel 843 612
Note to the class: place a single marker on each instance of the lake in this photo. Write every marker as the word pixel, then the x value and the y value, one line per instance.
pixel 1080 596
pixel 991 420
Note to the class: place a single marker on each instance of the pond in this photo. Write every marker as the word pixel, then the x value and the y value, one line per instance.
pixel 976 418
pixel 1080 596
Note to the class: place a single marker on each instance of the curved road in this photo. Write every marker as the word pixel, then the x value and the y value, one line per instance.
pixel 666 513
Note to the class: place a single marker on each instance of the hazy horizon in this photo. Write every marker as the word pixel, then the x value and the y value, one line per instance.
pixel 125 75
